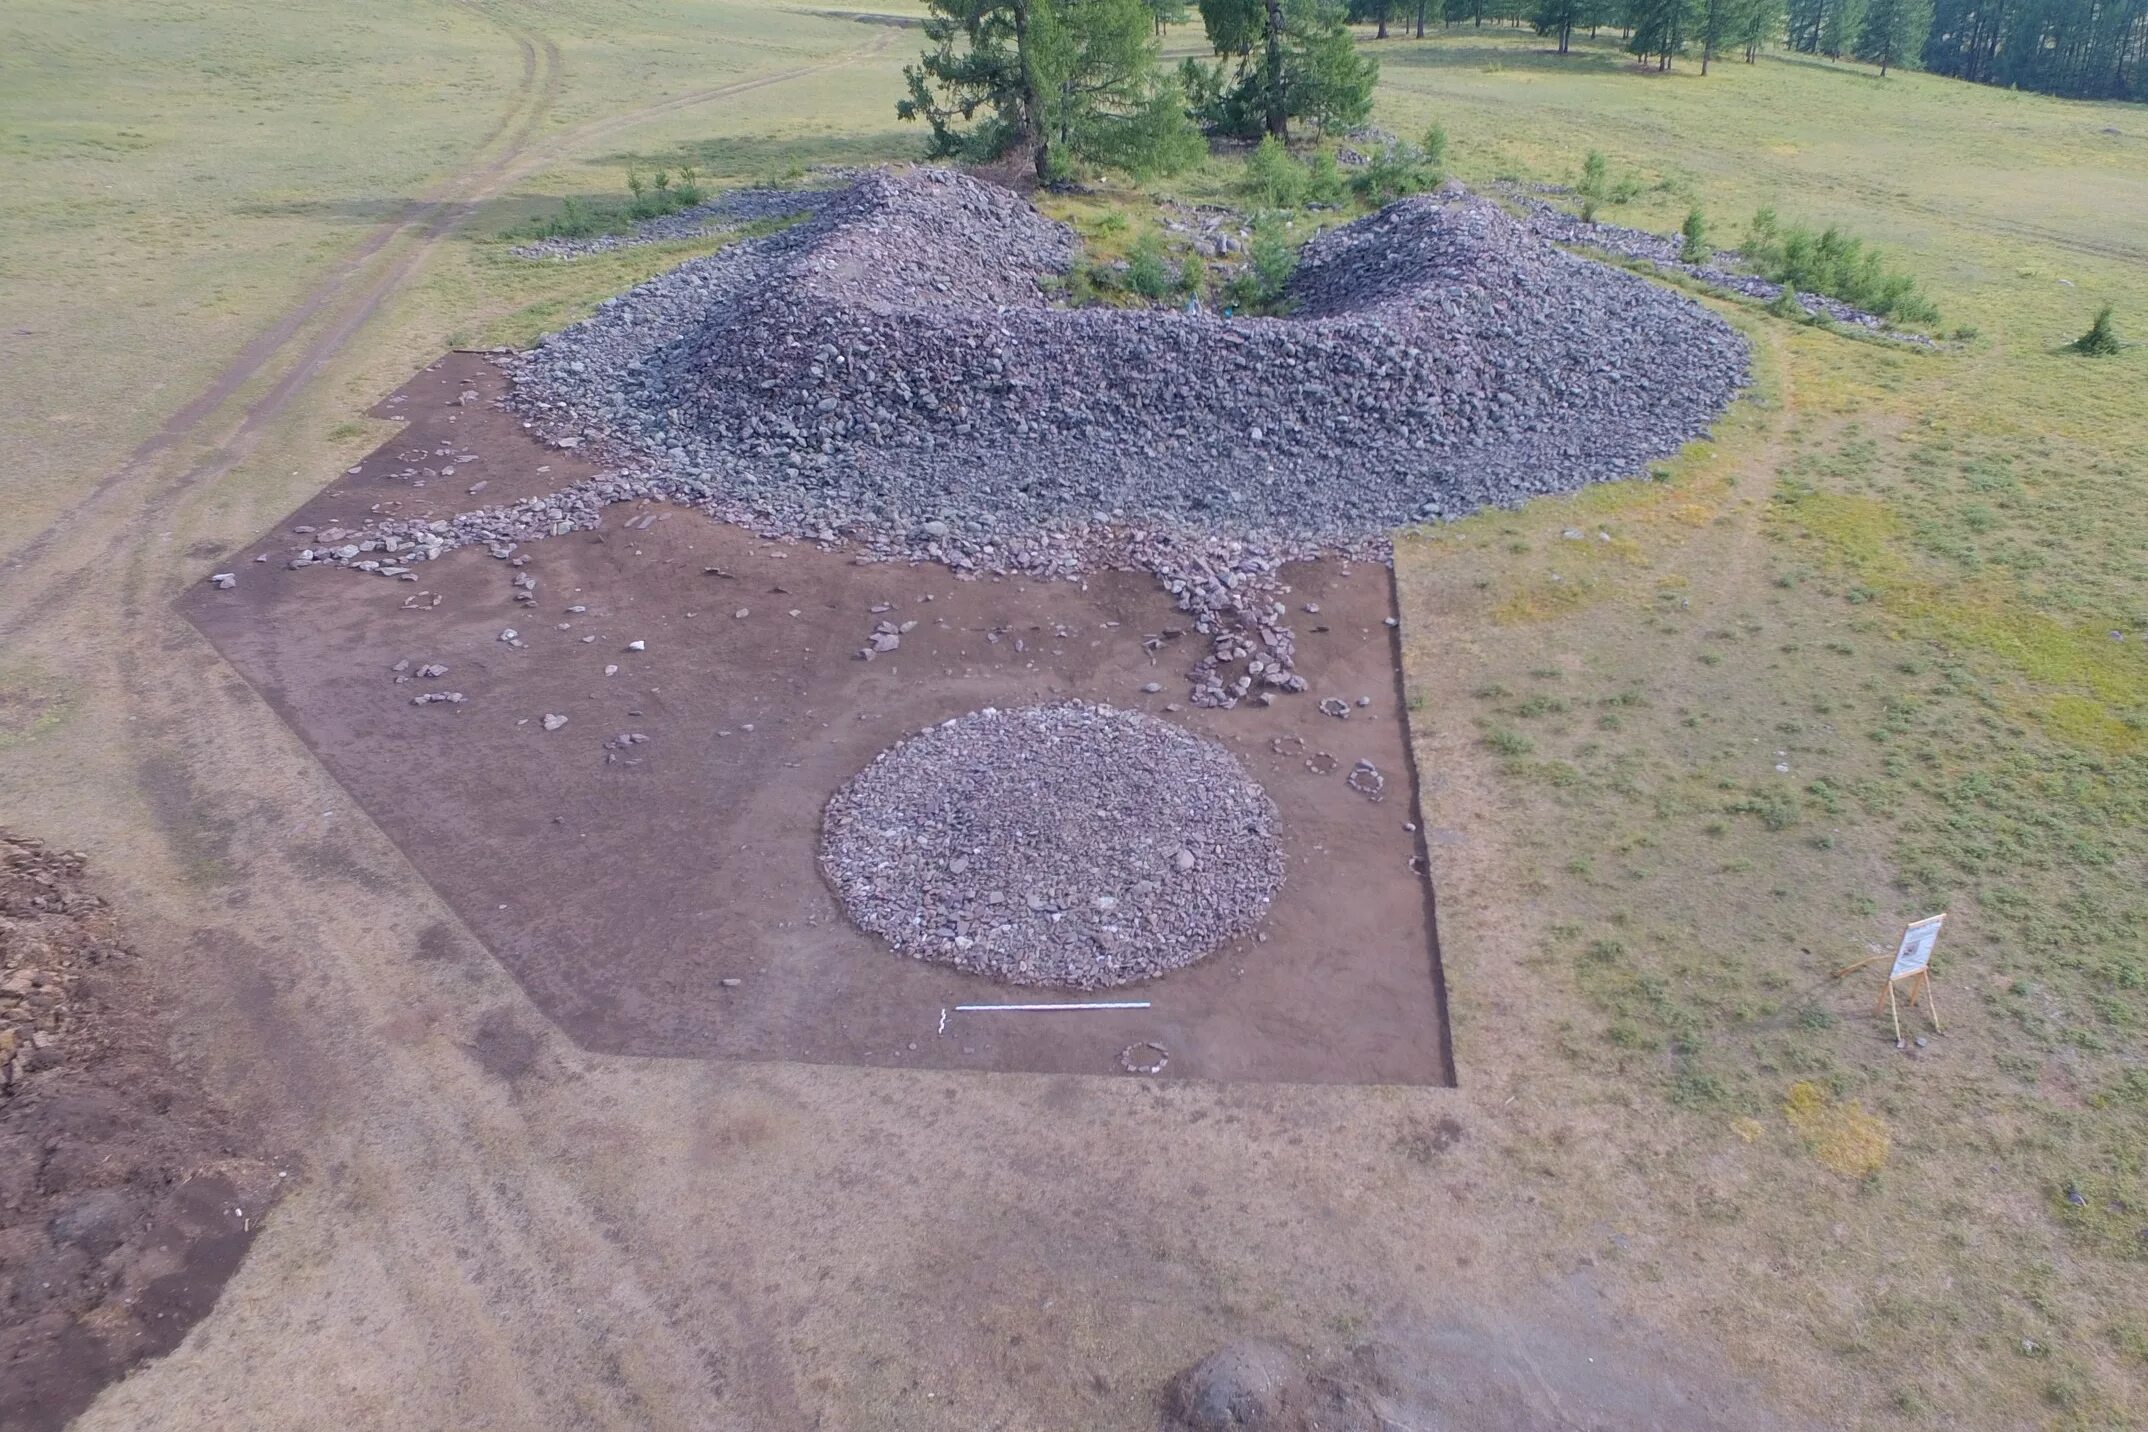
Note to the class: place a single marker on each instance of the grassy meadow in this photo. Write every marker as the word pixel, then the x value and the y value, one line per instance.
pixel 1879 651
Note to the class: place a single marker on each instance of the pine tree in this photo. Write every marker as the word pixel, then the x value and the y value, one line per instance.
pixel 1760 23
pixel 1067 80
pixel 1558 17
pixel 1295 60
pixel 1715 24
pixel 1168 12
pixel 1893 32
pixel 1807 18
pixel 2101 340
pixel 1659 28
pixel 1840 26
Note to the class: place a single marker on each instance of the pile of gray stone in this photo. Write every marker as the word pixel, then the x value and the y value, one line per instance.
pixel 1071 845
pixel 894 361
pixel 895 375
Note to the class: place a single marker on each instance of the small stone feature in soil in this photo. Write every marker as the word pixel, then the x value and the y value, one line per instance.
pixel 1073 845
pixel 863 378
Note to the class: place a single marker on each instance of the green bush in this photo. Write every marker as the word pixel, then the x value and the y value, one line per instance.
pixel 1837 264
pixel 1399 170
pixel 1324 183
pixel 1436 146
pixel 1694 232
pixel 1146 272
pixel 2101 340
pixel 1258 288
pixel 650 198
pixel 1595 170
pixel 1192 273
pixel 1273 179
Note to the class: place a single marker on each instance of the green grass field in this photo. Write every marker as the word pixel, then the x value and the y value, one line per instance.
pixel 1879 650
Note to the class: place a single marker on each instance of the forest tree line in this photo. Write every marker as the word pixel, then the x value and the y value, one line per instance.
pixel 2081 49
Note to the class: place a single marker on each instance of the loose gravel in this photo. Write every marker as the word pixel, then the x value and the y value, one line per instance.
pixel 1070 845
pixel 891 375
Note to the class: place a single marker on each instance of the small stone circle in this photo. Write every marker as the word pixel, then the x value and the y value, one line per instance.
pixel 1071 845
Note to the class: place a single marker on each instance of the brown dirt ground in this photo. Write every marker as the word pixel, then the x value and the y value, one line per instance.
pixel 124 1205
pixel 623 884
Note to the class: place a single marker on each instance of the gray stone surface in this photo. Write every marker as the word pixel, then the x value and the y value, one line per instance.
pixel 1073 845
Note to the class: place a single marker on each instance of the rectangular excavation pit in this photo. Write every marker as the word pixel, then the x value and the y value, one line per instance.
pixel 665 898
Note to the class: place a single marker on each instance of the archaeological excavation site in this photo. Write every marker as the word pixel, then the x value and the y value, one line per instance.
pixel 842 648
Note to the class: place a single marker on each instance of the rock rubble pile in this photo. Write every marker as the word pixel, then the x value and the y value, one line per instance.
pixel 894 362
pixel 892 373
pixel 1072 845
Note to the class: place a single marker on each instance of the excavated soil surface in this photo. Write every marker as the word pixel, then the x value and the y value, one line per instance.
pixel 124 1202
pixel 648 867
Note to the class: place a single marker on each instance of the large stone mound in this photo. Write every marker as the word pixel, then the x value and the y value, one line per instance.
pixel 893 362
pixel 891 373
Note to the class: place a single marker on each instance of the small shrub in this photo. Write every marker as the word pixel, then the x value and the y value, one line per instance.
pixel 1595 169
pixel 1192 273
pixel 1694 232
pixel 1146 272
pixel 1435 146
pixel 650 197
pixel 1324 182
pixel 1397 171
pixel 1626 190
pixel 2100 341
pixel 1508 743
pixel 1273 179
pixel 1258 287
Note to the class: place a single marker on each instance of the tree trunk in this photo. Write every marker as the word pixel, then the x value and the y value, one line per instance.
pixel 1033 126
pixel 1421 18
pixel 1272 73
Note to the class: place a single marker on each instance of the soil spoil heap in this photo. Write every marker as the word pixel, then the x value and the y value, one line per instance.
pixel 1072 845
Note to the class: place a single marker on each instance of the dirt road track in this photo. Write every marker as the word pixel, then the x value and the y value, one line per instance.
pixel 350 294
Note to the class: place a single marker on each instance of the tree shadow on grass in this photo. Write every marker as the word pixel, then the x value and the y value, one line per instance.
pixel 1501 54
pixel 772 159
pixel 719 164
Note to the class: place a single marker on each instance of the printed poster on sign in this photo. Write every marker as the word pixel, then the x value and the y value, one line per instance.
pixel 1916 950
